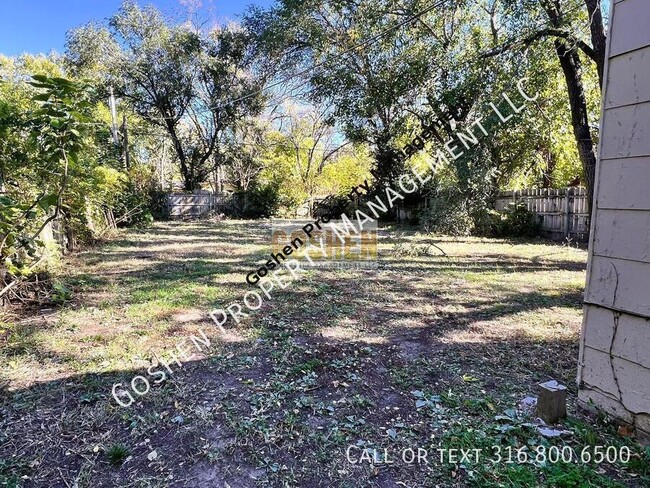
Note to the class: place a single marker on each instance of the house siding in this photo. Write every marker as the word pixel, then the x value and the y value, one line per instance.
pixel 614 368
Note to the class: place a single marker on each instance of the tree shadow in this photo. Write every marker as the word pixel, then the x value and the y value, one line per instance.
pixel 49 430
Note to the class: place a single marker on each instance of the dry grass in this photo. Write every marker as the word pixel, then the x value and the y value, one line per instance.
pixel 339 358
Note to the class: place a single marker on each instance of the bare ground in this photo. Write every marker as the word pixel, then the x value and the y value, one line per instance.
pixel 428 352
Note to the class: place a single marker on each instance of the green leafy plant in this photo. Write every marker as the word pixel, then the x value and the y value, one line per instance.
pixel 515 221
pixel 117 453
pixel 259 201
pixel 54 138
pixel 60 293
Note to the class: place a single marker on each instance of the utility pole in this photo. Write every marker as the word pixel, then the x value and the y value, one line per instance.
pixel 111 105
pixel 125 130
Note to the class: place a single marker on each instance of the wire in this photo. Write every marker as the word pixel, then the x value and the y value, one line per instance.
pixel 513 40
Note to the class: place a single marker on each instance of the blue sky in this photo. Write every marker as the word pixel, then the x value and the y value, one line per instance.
pixel 39 26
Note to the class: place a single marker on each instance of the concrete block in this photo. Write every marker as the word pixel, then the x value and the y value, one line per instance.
pixel 551 401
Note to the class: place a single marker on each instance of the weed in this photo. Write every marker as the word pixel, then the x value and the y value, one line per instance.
pixel 117 454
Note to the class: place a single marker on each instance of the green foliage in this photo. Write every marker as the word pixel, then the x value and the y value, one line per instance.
pixel 381 92
pixel 447 213
pixel 335 206
pixel 259 201
pixel 117 453
pixel 56 167
pixel 60 293
pixel 515 221
pixel 346 171
pixel 140 197
pixel 304 161
pixel 188 83
pixel 41 167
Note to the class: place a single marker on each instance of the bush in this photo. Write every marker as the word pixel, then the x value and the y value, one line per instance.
pixel 260 201
pixel 515 221
pixel 135 205
pixel 448 213
pixel 334 206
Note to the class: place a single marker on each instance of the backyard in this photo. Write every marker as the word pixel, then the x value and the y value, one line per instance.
pixel 441 347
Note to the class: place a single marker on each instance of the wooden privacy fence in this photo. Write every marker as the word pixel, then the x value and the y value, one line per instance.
pixel 194 205
pixel 561 212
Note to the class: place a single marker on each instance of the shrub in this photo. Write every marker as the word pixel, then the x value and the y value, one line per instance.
pixel 334 206
pixel 448 213
pixel 117 454
pixel 515 221
pixel 135 205
pixel 260 201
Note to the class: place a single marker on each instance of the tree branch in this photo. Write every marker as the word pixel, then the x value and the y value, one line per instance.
pixel 548 32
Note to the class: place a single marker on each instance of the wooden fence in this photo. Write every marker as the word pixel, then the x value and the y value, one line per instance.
pixel 200 204
pixel 562 213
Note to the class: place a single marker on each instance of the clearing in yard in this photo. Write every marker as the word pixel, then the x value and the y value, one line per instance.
pixel 346 378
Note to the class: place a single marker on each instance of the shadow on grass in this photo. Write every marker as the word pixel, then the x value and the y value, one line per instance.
pixel 49 432
pixel 58 423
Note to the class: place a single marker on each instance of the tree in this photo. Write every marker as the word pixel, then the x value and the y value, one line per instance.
pixel 364 59
pixel 40 168
pixel 568 46
pixel 244 153
pixel 308 144
pixel 189 83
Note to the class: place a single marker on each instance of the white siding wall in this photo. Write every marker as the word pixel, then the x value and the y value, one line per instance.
pixel 614 370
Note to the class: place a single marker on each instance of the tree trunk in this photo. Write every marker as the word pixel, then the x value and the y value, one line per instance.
pixel 188 177
pixel 572 68
pixel 547 174
pixel 598 36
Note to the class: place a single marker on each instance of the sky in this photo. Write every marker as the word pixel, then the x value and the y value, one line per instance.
pixel 39 26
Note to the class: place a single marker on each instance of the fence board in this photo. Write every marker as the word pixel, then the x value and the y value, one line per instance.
pixel 194 205
pixel 561 212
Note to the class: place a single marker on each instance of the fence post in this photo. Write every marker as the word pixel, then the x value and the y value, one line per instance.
pixel 567 209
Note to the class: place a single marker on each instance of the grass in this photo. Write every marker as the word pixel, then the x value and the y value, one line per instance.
pixel 429 351
pixel 117 454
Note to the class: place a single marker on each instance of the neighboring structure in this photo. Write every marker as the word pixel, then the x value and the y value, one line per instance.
pixel 201 203
pixel 614 369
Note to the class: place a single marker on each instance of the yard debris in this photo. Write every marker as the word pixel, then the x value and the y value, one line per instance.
pixel 549 432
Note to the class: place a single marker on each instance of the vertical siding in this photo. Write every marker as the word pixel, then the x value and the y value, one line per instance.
pixel 614 370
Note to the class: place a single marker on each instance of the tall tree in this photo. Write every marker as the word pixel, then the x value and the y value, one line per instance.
pixel 366 59
pixel 563 17
pixel 189 83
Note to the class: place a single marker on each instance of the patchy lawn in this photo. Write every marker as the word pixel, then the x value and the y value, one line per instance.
pixel 428 352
